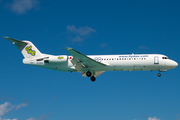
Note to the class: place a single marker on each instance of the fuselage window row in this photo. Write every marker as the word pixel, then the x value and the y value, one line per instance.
pixel 124 59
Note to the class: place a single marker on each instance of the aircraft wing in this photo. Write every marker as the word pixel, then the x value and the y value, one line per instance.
pixel 83 63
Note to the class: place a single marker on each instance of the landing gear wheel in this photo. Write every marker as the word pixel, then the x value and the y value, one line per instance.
pixel 159 74
pixel 88 73
pixel 93 78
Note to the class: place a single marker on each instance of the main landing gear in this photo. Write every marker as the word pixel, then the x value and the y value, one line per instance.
pixel 88 73
pixel 93 78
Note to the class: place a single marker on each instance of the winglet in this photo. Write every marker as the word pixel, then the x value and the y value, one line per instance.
pixel 5 37
pixel 68 48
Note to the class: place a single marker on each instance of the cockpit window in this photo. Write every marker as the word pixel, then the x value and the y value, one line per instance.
pixel 165 58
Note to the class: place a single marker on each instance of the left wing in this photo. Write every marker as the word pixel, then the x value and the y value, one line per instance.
pixel 83 63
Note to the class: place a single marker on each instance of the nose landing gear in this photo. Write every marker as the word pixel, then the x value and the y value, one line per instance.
pixel 159 74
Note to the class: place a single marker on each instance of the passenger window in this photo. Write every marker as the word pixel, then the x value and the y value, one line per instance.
pixel 129 58
pixel 134 58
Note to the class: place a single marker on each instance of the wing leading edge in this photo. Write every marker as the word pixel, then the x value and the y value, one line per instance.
pixel 83 63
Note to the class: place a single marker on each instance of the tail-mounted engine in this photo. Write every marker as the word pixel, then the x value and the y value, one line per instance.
pixel 57 59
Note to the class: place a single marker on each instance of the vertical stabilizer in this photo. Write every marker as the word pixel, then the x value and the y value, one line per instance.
pixel 27 48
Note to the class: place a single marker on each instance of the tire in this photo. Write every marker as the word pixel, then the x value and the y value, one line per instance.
pixel 159 74
pixel 93 78
pixel 88 73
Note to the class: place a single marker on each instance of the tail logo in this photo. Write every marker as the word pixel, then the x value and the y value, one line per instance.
pixel 30 51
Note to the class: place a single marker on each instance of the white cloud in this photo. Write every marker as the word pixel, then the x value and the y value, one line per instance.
pixel 82 31
pixel 154 118
pixel 6 98
pixel 7 107
pixel 79 34
pixel 103 44
pixel 21 105
pixel 77 39
pixel 178 118
pixel 143 47
pixel 41 118
pixel 8 119
pixel 22 6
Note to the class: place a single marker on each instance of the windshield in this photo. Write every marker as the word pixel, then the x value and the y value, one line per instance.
pixel 165 58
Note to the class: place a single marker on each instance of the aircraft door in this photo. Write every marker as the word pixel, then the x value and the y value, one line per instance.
pixel 156 60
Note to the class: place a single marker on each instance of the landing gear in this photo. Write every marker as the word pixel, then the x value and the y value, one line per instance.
pixel 159 74
pixel 88 73
pixel 93 78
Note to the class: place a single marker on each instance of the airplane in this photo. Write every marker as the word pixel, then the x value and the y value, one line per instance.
pixel 92 65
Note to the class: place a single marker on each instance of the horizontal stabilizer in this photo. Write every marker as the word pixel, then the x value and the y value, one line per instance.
pixel 27 48
pixel 16 42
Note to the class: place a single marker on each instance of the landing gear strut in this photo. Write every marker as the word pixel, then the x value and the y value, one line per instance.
pixel 88 73
pixel 159 74
pixel 93 78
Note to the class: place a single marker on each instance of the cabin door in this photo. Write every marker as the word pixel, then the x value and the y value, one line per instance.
pixel 156 60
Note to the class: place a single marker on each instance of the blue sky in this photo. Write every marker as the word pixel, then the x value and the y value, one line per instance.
pixel 91 27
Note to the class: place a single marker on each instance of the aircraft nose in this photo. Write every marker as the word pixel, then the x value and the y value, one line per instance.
pixel 175 64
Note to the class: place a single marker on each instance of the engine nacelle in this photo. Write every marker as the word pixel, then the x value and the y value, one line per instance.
pixel 57 59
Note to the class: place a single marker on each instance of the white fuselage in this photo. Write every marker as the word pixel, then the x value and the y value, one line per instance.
pixel 92 65
pixel 131 62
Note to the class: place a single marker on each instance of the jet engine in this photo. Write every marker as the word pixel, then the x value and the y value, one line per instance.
pixel 57 59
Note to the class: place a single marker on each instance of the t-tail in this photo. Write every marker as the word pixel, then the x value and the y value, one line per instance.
pixel 27 48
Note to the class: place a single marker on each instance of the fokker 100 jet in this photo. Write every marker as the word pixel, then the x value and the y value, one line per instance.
pixel 92 65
